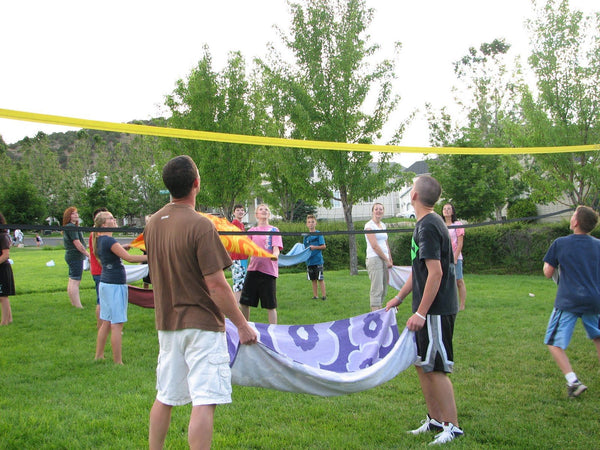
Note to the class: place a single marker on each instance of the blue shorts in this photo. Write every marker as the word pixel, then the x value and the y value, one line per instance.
pixel 97 283
pixel 561 326
pixel 75 268
pixel 113 302
pixel 458 269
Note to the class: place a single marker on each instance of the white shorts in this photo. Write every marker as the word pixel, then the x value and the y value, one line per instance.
pixel 193 366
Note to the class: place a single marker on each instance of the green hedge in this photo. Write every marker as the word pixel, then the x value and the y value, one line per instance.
pixel 516 248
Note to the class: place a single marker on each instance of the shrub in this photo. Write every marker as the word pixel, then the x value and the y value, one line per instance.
pixel 522 207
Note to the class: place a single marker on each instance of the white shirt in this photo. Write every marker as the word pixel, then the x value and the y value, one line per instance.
pixel 381 239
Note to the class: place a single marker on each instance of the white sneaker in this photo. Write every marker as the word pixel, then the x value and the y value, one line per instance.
pixel 427 425
pixel 448 434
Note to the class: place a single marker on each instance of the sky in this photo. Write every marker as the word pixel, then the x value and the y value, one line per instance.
pixel 117 60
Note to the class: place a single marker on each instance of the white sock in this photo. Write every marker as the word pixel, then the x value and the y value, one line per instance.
pixel 571 377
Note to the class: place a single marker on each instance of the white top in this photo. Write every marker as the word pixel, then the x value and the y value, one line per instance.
pixel 381 239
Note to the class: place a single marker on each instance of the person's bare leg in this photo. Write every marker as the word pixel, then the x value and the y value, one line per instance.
pixel 6 311
pixel 160 419
pixel 462 293
pixel 73 291
pixel 98 320
pixel 116 340
pixel 103 332
pixel 439 396
pixel 561 358
pixel 245 311
pixel 272 315
pixel 597 344
pixel 322 286
pixel 200 429
pixel 237 295
pixel 314 287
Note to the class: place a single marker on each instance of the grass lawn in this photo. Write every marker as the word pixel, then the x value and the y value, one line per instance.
pixel 509 392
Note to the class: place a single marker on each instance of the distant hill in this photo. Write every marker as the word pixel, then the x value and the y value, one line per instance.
pixel 63 144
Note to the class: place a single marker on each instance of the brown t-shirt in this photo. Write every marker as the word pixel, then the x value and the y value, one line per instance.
pixel 182 247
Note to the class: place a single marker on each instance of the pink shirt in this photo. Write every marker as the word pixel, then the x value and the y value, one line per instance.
pixel 265 265
pixel 454 234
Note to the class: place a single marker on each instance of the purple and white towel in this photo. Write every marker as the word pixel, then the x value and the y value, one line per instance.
pixel 326 359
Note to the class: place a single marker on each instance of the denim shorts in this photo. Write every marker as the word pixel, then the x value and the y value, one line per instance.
pixel 561 326
pixel 458 269
pixel 75 268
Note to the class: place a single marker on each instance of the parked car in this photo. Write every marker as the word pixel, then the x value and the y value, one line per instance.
pixel 408 214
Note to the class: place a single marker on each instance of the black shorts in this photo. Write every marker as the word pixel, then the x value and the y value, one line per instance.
pixel 7 280
pixel 434 344
pixel 314 273
pixel 261 286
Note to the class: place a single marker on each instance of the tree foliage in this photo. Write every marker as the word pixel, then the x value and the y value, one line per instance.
pixel 21 202
pixel 327 87
pixel 479 186
pixel 219 102
pixel 566 62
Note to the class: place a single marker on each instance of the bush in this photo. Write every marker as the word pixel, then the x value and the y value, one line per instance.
pixel 515 248
pixel 522 207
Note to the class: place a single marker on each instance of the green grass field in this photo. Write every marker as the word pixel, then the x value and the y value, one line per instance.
pixel 509 392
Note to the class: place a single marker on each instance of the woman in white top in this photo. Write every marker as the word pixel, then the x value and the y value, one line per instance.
pixel 379 257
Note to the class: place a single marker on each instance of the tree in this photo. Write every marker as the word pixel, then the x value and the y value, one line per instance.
pixel 479 186
pixel 328 87
pixel 287 174
pixel 42 164
pixel 21 201
pixel 566 63
pixel 219 102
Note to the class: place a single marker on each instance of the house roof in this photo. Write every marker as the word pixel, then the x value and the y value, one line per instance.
pixel 419 168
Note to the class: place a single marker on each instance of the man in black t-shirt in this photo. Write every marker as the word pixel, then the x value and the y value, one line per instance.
pixel 435 305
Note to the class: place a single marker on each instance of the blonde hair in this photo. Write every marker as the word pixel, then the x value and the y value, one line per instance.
pixel 99 220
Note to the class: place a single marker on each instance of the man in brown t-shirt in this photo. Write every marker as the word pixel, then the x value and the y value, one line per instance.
pixel 192 297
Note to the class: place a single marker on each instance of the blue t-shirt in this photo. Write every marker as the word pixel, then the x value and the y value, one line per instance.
pixel 316 256
pixel 577 257
pixel 113 271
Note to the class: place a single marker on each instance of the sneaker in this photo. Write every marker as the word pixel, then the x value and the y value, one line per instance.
pixel 324 298
pixel 427 425
pixel 449 433
pixel 315 298
pixel 575 389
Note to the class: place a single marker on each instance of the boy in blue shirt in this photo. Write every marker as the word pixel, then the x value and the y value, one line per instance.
pixel 577 258
pixel 314 264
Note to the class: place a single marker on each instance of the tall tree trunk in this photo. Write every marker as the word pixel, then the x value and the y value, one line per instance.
pixel 351 237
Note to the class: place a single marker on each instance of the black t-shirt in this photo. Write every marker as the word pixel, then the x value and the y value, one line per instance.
pixel 431 240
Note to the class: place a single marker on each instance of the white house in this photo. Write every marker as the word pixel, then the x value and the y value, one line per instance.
pixel 395 203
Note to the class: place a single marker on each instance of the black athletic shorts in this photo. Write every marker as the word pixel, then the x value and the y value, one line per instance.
pixel 261 286
pixel 434 344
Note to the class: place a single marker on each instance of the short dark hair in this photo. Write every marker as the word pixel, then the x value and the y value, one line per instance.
pixel 3 222
pixel 429 190
pixel 238 206
pixel 587 218
pixel 179 175
pixel 98 210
